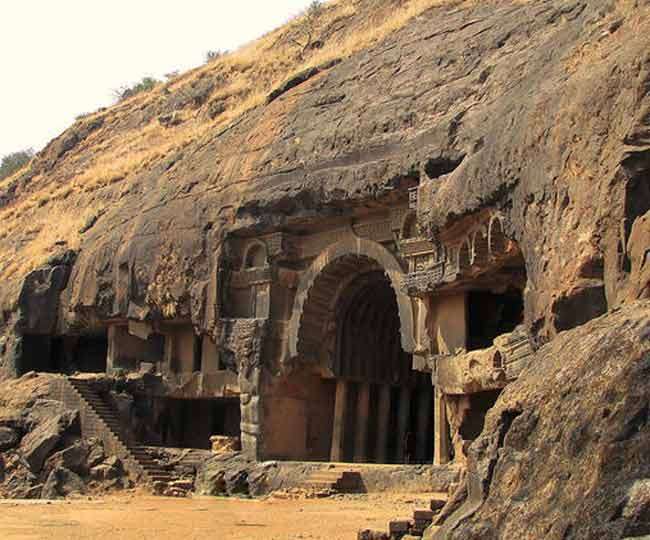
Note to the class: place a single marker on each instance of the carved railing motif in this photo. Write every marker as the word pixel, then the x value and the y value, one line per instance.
pixel 433 264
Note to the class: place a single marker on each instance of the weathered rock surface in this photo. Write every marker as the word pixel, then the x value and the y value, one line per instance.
pixel 8 438
pixel 564 452
pixel 110 471
pixel 38 444
pixel 41 411
pixel 61 483
pixel 17 481
pixel 537 108
pixel 79 458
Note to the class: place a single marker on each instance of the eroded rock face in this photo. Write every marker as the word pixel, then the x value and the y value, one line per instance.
pixel 538 109
pixel 564 452
pixel 38 444
pixel 9 438
pixel 62 482
pixel 42 453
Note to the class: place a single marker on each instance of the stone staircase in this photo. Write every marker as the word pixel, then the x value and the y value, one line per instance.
pixel 334 479
pixel 100 419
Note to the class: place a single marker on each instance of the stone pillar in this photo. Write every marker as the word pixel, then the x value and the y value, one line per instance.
pixel 111 355
pixel 338 427
pixel 403 418
pixel 361 435
pixel 424 413
pixel 383 423
pixel 441 430
pixel 168 360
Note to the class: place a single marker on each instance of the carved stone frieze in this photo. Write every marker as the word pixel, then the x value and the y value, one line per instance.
pixel 415 246
pixel 280 246
pixel 241 340
pixel 379 231
pixel 413 198
pixel 480 247
pixel 423 281
pixel 251 276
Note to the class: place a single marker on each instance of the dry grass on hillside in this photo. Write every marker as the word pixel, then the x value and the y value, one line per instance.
pixel 129 142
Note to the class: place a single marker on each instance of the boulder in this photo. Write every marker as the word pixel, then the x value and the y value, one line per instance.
pixel 38 444
pixel 8 438
pixel 96 452
pixel 16 479
pixel 368 534
pixel 110 469
pixel 42 410
pixel 73 458
pixel 62 482
pixel 564 451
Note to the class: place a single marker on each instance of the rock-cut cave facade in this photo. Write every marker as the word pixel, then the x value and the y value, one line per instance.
pixel 356 339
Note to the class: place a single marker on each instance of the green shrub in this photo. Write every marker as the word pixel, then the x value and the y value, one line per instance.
pixel 14 161
pixel 144 85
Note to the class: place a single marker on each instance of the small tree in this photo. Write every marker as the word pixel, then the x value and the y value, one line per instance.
pixel 144 85
pixel 213 55
pixel 15 161
pixel 306 26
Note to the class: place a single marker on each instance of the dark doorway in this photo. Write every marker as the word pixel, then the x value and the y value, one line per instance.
pixel 490 315
pixel 189 423
pixel 90 354
pixel 480 404
pixel 40 353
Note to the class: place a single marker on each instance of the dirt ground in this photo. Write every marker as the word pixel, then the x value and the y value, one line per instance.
pixel 141 517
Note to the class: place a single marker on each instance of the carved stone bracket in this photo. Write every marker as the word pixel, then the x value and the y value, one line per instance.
pixel 485 369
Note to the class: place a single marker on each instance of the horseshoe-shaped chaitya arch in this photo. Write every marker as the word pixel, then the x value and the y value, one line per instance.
pixel 311 288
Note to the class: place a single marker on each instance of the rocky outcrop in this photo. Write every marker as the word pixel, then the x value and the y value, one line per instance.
pixel 538 109
pixel 42 454
pixel 8 438
pixel 61 483
pixel 37 444
pixel 564 451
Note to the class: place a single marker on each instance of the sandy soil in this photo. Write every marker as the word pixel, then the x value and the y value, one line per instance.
pixel 142 517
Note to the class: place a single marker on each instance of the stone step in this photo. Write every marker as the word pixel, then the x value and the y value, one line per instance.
pixel 325 476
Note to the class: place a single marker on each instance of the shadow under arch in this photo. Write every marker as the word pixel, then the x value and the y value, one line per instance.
pixel 312 290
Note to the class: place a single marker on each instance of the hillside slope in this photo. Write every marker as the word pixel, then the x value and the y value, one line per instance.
pixel 541 109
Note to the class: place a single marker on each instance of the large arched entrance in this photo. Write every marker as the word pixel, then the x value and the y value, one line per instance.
pixel 382 408
pixel 355 332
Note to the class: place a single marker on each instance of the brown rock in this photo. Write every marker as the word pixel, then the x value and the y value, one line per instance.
pixel 37 444
pixel 8 439
pixel 537 471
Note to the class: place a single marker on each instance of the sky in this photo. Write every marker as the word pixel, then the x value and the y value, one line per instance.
pixel 63 58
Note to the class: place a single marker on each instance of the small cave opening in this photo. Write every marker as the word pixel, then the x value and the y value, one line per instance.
pixel 437 167
pixel 490 314
pixel 64 354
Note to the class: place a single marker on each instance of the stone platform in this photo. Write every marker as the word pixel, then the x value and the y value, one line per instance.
pixel 235 475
